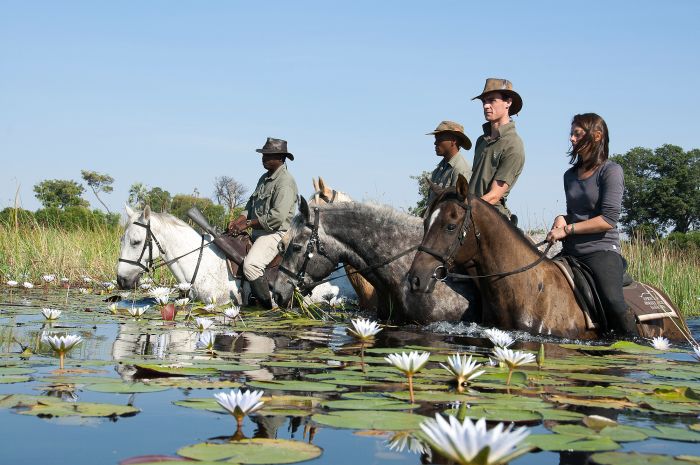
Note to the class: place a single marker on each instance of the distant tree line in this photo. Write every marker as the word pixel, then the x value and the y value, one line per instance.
pixel 64 206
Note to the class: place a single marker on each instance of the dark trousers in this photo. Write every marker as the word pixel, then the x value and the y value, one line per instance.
pixel 608 268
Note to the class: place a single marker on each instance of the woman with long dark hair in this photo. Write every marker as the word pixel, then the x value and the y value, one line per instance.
pixel 593 188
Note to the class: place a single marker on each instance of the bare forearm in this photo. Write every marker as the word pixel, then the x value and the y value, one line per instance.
pixel 594 225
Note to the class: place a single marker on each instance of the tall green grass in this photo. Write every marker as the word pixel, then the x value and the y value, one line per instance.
pixel 672 269
pixel 29 251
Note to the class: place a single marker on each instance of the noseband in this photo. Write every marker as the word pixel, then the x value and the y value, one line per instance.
pixel 447 259
pixel 147 246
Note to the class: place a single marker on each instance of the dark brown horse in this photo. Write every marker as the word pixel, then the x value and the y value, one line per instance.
pixel 461 229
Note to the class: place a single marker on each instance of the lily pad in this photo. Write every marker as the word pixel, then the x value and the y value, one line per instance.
pixel 126 388
pixel 291 385
pixel 13 379
pixel 368 404
pixel 633 458
pixel 81 409
pixel 498 414
pixel 374 420
pixel 174 370
pixel 253 451
pixel 5 371
pixel 567 443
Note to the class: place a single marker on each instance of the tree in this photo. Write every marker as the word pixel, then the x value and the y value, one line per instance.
pixel 98 182
pixel 215 214
pixel 159 199
pixel 59 193
pixel 229 192
pixel 662 189
pixel 423 191
pixel 138 195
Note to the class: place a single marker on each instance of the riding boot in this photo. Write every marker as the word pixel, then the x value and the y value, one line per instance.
pixel 627 323
pixel 261 291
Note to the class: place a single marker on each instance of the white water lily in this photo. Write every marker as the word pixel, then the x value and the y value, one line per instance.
pixel 50 313
pixel 145 286
pixel 27 285
pixel 61 344
pixel 182 302
pixel 83 290
pixel 410 364
pixel 12 283
pixel 660 343
pixel 87 279
pixel 203 323
pixel 513 359
pixel 184 287
pixel 463 442
pixel 65 280
pixel 206 341
pixel 161 294
pixel 138 311
pixel 499 338
pixel 239 403
pixel 404 440
pixel 364 328
pixel 462 368
pixel 47 278
pixel 232 312
pixel 112 307
pixel 108 285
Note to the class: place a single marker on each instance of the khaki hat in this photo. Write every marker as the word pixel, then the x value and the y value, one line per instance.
pixel 277 146
pixel 455 128
pixel 505 87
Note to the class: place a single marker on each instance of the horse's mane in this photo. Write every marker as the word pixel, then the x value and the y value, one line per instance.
pixel 386 213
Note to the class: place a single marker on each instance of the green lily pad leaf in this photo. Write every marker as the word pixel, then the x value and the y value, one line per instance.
pixel 616 404
pixel 629 347
pixel 566 443
pixel 25 400
pixel 80 380
pixel 204 403
pixel 368 404
pixel 295 364
pixel 290 385
pixel 679 394
pixel 676 374
pixel 659 406
pixel 432 396
pixel 695 427
pixel 125 388
pixel 253 451
pixel 559 415
pixel 623 433
pixel 189 383
pixel 370 420
pixel 595 391
pixel 80 409
pixel 671 433
pixel 4 371
pixel 519 378
pixel 498 414
pixel 13 379
pixel 633 458
pixel 595 377
pixel 174 370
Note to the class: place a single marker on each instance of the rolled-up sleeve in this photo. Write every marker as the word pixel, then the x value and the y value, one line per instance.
pixel 282 201
pixel 612 186
pixel 511 164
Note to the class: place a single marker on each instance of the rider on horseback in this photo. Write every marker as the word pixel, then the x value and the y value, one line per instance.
pixel 449 137
pixel 594 186
pixel 268 213
pixel 499 154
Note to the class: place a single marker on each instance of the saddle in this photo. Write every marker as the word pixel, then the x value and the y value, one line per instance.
pixel 645 302
pixel 236 249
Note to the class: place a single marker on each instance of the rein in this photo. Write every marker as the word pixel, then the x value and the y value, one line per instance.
pixel 151 264
pixel 315 242
pixel 447 259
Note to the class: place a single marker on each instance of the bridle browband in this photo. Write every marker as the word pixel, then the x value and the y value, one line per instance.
pixel 150 265
pixel 314 243
pixel 447 259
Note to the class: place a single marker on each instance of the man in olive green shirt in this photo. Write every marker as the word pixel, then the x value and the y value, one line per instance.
pixel 269 213
pixel 499 154
pixel 449 137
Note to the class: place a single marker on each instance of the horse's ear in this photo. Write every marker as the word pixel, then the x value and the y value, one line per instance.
pixel 322 186
pixel 304 208
pixel 462 187
pixel 313 180
pixel 147 213
pixel 129 211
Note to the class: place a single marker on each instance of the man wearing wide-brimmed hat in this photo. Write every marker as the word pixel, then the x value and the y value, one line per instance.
pixel 499 154
pixel 269 213
pixel 449 137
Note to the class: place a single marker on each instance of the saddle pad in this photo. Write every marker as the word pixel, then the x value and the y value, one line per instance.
pixel 647 303
pixel 566 271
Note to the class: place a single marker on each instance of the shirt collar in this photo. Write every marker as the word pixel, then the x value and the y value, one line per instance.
pixel 277 172
pixel 502 130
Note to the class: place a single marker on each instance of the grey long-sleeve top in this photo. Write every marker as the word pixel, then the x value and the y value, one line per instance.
pixel 599 194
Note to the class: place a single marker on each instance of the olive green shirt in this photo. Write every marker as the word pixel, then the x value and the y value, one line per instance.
pixel 497 159
pixel 446 173
pixel 274 200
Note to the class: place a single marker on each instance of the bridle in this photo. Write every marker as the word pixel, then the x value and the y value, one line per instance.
pixel 447 259
pixel 151 265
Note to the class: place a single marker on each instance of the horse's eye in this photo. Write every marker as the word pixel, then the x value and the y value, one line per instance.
pixel 451 227
pixel 135 242
pixel 296 247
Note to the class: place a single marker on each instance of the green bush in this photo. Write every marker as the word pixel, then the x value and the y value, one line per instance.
pixel 72 218
pixel 689 240
pixel 215 214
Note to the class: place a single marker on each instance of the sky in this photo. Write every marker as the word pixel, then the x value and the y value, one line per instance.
pixel 174 94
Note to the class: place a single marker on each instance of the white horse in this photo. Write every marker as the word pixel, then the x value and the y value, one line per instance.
pixel 176 238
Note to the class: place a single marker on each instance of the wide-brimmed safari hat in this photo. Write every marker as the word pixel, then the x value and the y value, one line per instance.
pixel 455 128
pixel 277 146
pixel 505 87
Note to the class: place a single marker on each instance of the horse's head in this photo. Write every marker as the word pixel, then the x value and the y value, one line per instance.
pixel 137 250
pixel 447 222
pixel 324 194
pixel 307 258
